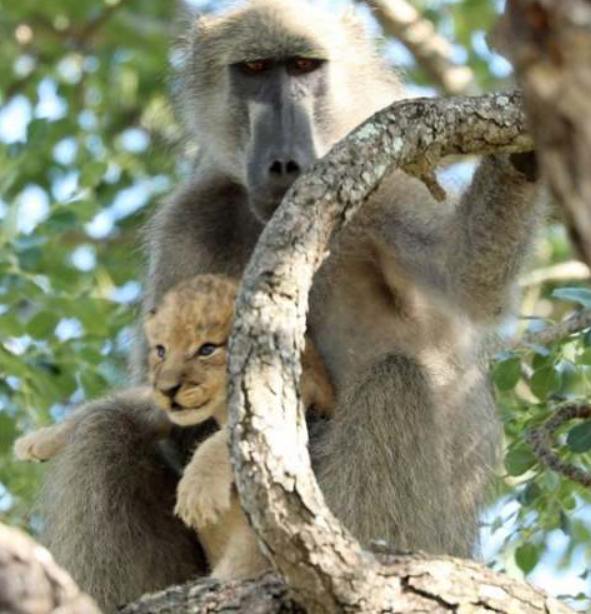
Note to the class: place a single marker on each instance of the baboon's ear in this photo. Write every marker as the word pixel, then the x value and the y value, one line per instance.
pixel 205 24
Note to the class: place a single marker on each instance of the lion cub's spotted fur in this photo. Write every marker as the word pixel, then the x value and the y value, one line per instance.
pixel 188 335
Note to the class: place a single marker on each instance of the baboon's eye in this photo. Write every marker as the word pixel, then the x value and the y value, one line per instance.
pixel 160 351
pixel 255 67
pixel 207 349
pixel 302 66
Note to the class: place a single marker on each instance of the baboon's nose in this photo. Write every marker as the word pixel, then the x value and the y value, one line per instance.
pixel 284 169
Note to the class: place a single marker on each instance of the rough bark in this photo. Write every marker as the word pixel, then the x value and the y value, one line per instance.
pixel 324 566
pixel 549 43
pixel 32 583
pixel 426 585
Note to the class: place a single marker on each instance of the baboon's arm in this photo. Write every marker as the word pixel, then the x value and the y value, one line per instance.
pixel 492 230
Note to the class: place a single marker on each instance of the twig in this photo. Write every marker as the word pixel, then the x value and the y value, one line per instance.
pixel 575 323
pixel 541 441
pixel 573 270
pixel 431 50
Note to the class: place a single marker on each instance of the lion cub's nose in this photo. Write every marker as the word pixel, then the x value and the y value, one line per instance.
pixel 171 391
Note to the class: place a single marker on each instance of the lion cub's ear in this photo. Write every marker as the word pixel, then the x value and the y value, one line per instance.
pixel 148 320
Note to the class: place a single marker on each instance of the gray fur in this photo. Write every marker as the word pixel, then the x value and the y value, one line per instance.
pixel 399 312
pixel 108 503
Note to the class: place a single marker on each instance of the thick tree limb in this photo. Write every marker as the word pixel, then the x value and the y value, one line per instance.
pixel 549 43
pixel 325 567
pixel 541 441
pixel 427 585
pixel 32 583
pixel 432 51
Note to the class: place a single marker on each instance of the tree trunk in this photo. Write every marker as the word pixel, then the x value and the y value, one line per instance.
pixel 549 43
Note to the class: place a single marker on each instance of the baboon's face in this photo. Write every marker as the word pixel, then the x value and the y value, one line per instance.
pixel 272 86
pixel 281 97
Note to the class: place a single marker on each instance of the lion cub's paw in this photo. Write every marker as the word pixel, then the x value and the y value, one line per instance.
pixel 200 501
pixel 40 445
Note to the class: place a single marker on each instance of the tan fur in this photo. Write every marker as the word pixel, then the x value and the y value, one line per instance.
pixel 197 312
pixel 44 443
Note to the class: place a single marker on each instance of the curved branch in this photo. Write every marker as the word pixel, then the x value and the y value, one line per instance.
pixel 432 51
pixel 325 567
pixel 541 441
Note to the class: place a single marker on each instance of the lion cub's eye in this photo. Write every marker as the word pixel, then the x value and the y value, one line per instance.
pixel 207 349
pixel 160 351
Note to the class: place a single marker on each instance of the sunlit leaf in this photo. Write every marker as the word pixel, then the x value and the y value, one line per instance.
pixel 527 557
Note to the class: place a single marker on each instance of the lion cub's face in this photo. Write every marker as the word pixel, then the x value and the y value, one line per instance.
pixel 188 335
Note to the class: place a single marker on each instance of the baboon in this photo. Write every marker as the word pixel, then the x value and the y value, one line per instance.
pixel 400 311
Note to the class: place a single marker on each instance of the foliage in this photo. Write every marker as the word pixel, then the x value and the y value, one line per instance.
pixel 86 143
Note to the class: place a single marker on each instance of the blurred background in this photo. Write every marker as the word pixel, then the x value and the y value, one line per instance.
pixel 89 144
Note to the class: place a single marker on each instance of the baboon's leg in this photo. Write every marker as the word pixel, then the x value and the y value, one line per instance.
pixel 108 504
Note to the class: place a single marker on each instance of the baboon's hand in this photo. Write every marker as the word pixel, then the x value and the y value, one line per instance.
pixel 527 164
pixel 40 445
pixel 202 496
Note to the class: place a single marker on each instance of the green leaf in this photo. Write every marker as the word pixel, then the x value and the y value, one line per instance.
pixel 564 523
pixel 530 493
pixel 42 324
pixel 527 557
pixel 37 131
pixel 579 438
pixel 574 295
pixel 92 173
pixel 519 459
pixel 585 357
pixel 545 381
pixel 507 373
pixel 8 431
pixel 62 220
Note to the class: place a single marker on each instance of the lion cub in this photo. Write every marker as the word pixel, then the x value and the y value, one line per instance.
pixel 188 335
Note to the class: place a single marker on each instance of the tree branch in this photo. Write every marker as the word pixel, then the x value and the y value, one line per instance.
pixel 573 270
pixel 32 583
pixel 325 567
pixel 431 50
pixel 575 323
pixel 541 441
pixel 427 584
